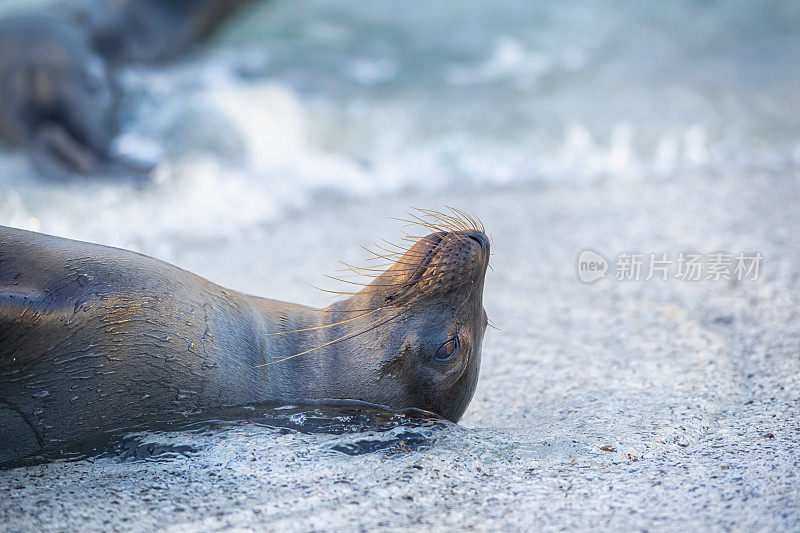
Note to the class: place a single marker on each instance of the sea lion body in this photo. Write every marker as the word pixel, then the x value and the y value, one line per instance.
pixel 94 338
pixel 150 31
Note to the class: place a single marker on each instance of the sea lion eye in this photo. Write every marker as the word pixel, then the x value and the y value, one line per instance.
pixel 447 350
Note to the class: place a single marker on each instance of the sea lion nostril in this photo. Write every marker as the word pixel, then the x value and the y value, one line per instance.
pixel 480 239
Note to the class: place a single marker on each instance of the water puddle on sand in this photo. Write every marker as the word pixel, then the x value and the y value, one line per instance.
pixel 350 428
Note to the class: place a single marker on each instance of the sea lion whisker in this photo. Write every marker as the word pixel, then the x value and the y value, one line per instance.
pixel 459 236
pixel 390 254
pixel 397 260
pixel 419 212
pixel 393 255
pixel 469 215
pixel 420 287
pixel 400 253
pixel 356 268
pixel 449 221
pixel 410 253
pixel 389 288
pixel 470 218
pixel 402 250
pixel 391 258
pixel 355 274
pixel 436 238
pixel 346 273
pixel 373 273
pixel 448 229
pixel 324 325
pixel 410 236
pixel 420 284
pixel 345 263
pixel 373 284
pixel 379 256
pixel 355 310
pixel 433 243
pixel 421 223
pixel 446 220
pixel 340 280
pixel 329 291
pixel 462 217
pixel 458 219
pixel 367 328
pixel 476 222
pixel 449 235
pixel 406 235
pixel 346 293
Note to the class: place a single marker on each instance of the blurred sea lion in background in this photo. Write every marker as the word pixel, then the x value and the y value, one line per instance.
pixel 57 99
pixel 150 31
pixel 58 96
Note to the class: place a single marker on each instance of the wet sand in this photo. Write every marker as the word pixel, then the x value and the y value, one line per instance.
pixel 661 405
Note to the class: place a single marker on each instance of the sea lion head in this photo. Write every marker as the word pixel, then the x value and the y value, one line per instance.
pixel 421 322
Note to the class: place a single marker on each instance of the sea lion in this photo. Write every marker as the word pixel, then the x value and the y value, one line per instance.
pixel 59 98
pixel 150 31
pixel 93 337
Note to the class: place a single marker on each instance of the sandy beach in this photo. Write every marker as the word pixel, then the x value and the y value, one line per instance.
pixel 659 405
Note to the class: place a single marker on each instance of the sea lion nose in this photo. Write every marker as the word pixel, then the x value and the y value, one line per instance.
pixel 480 238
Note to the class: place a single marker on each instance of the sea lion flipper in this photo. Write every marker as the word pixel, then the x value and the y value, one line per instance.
pixel 17 437
pixel 56 155
pixel 125 169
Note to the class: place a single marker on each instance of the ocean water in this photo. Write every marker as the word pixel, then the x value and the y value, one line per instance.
pixel 294 104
